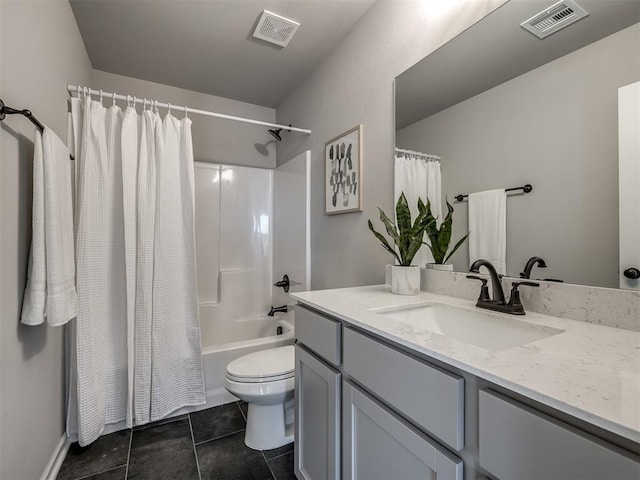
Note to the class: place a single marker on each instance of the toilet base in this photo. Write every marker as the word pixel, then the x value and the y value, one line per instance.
pixel 266 428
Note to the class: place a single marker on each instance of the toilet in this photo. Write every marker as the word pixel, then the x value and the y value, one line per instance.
pixel 265 380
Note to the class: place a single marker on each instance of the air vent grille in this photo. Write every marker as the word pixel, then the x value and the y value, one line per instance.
pixel 554 18
pixel 274 28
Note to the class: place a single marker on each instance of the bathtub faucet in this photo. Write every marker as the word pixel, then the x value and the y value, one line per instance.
pixel 274 310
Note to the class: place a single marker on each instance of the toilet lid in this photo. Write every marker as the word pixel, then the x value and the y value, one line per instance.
pixel 274 362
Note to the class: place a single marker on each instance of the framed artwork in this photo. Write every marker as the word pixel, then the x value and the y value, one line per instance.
pixel 343 172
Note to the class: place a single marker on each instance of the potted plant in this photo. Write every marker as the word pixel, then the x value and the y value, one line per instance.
pixel 407 237
pixel 439 238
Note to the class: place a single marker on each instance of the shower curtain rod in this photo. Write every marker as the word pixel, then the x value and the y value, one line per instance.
pixel 76 89
pixel 413 152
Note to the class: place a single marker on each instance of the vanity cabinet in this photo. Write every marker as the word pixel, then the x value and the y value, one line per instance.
pixel 317 397
pixel 378 444
pixel 519 442
pixel 429 397
pixel 368 408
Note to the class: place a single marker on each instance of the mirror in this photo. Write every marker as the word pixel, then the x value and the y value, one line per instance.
pixel 503 108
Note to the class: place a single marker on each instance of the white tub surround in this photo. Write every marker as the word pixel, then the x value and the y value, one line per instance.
pixel 589 372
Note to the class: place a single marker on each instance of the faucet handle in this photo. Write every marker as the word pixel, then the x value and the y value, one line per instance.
pixel 515 304
pixel 484 289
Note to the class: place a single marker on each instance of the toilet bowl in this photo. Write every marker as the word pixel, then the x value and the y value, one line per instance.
pixel 265 380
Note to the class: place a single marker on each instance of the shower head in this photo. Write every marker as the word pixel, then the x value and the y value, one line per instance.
pixel 276 134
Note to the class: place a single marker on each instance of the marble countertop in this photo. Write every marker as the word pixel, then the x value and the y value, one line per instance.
pixel 589 371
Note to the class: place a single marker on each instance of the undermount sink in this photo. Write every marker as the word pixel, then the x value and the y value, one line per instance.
pixel 486 330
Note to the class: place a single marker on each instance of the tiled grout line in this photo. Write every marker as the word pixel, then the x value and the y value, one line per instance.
pixel 268 465
pixel 241 411
pixel 218 438
pixel 100 473
pixel 126 472
pixel 195 451
pixel 281 455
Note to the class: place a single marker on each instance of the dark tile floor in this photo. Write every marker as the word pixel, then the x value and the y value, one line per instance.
pixel 203 445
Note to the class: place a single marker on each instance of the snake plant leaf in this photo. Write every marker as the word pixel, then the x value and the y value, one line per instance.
pixel 460 242
pixel 384 242
pixel 407 236
pixel 389 226
pixel 403 215
pixel 440 238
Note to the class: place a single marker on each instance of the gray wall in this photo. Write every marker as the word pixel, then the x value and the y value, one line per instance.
pixel 41 51
pixel 214 140
pixel 556 128
pixel 355 85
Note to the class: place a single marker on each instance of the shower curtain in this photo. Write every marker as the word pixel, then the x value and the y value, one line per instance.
pixel 418 175
pixel 135 345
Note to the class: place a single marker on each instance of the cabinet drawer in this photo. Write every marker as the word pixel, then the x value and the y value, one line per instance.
pixel 516 441
pixel 320 334
pixel 431 398
pixel 378 444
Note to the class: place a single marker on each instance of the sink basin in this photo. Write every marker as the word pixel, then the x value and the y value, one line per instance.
pixel 486 330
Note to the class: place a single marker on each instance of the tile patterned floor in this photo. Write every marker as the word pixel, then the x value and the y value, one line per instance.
pixel 203 445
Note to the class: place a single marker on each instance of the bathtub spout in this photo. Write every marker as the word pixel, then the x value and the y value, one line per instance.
pixel 274 310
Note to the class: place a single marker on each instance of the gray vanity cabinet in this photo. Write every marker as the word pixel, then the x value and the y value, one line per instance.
pixel 395 415
pixel 317 397
pixel 377 444
pixel 519 442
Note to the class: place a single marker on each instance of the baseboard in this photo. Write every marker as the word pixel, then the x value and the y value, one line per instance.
pixel 53 467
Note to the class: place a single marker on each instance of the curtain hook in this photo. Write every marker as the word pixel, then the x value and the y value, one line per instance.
pixel 169 112
pixel 155 106
pixel 186 112
pixel 135 100
pixel 113 100
pixel 100 95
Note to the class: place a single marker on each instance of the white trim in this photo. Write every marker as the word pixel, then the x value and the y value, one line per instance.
pixel 55 462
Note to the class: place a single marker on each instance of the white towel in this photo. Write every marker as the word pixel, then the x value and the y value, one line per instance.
pixel 488 228
pixel 51 286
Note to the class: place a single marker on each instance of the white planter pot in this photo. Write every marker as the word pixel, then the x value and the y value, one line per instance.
pixel 405 280
pixel 445 267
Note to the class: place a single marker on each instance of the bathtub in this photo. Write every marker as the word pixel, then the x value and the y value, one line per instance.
pixel 223 343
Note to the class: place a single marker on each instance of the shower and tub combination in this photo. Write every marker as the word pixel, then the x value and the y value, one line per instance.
pixel 252 228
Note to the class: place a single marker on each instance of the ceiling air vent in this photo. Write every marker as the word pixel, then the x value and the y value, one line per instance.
pixel 276 29
pixel 554 18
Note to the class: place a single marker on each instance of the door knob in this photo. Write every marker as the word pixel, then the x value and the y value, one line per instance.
pixel 632 273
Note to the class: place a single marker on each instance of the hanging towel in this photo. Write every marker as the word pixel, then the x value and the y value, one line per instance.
pixel 488 228
pixel 51 286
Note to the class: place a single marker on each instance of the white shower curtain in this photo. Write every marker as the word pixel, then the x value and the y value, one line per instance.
pixel 135 349
pixel 418 175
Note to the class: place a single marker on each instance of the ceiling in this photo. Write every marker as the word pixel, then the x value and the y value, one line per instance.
pixel 497 49
pixel 207 45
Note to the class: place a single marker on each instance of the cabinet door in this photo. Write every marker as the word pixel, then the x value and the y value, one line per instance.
pixel 317 417
pixel 517 442
pixel 377 444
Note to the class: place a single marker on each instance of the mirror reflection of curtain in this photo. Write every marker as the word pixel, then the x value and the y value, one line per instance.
pixel 418 175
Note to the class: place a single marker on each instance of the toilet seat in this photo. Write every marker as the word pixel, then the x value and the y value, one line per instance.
pixel 269 365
